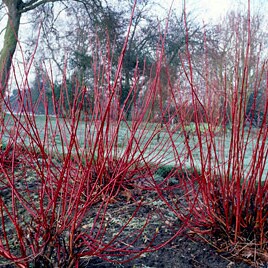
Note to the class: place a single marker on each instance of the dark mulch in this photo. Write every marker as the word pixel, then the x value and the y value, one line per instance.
pixel 183 252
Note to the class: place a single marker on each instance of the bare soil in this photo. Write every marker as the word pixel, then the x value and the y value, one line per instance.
pixel 185 251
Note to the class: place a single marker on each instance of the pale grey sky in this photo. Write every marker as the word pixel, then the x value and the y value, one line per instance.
pixel 211 10
pixel 207 11
pixel 204 10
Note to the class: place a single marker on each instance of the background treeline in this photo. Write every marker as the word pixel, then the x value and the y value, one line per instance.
pixel 73 36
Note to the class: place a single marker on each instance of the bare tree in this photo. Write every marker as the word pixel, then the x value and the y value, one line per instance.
pixel 230 61
pixel 15 10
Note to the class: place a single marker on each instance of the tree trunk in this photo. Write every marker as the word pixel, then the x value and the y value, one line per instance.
pixel 10 40
pixel 9 47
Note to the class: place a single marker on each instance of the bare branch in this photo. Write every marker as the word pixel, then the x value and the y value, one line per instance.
pixel 36 3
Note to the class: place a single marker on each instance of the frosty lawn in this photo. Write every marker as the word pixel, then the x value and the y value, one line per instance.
pixel 211 146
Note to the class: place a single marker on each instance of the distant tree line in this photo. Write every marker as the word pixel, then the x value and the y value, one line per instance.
pixel 82 40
